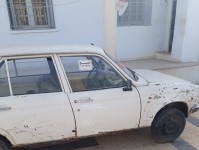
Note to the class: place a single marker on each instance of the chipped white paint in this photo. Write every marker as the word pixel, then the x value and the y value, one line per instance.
pixel 155 96
pixel 114 109
pixel 49 117
pixel 162 90
pixel 37 118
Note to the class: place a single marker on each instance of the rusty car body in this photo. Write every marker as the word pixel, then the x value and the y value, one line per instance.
pixel 58 93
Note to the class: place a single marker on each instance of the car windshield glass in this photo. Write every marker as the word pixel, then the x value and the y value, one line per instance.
pixel 128 71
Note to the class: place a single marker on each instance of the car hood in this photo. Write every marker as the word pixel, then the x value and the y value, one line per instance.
pixel 157 77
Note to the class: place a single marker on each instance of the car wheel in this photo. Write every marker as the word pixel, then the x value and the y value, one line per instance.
pixel 4 145
pixel 168 125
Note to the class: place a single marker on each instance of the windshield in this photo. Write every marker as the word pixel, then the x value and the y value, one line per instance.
pixel 128 71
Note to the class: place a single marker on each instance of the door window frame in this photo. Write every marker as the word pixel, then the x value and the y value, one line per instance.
pixel 29 57
pixel 88 54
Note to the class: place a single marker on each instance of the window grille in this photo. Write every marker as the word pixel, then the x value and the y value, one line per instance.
pixel 137 13
pixel 31 14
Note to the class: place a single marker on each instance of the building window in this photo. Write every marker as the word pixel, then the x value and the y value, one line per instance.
pixel 31 14
pixel 137 13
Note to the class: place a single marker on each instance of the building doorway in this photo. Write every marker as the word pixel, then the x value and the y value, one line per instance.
pixel 173 17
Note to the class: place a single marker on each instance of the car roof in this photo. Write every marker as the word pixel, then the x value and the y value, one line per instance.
pixel 49 49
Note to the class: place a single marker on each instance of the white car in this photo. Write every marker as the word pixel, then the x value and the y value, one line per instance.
pixel 59 93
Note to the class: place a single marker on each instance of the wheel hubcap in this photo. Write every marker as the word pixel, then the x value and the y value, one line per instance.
pixel 170 127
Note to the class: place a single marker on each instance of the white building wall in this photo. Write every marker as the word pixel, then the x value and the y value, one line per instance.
pixel 190 49
pixel 94 21
pixel 110 27
pixel 76 23
pixel 144 41
pixel 180 27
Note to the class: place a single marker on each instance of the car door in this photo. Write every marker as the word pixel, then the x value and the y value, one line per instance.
pixel 97 97
pixel 33 105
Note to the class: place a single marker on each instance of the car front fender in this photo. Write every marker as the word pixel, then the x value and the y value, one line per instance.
pixel 157 96
pixel 6 135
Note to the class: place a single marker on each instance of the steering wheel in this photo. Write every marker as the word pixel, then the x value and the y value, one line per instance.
pixel 94 69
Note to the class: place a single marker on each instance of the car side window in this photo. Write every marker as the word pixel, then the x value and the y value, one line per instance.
pixel 86 73
pixel 33 76
pixel 4 86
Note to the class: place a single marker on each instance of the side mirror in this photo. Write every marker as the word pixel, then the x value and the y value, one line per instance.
pixel 129 86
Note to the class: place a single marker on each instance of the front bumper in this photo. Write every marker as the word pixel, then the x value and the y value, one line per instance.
pixel 194 109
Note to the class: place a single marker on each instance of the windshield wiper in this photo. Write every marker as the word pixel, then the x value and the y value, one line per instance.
pixel 133 73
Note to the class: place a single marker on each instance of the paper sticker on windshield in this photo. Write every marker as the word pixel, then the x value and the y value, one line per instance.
pixel 85 65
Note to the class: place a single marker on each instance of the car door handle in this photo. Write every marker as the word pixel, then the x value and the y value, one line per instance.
pixel 84 100
pixel 4 107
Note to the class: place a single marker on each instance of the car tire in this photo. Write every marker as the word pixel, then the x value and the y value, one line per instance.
pixel 4 145
pixel 168 125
